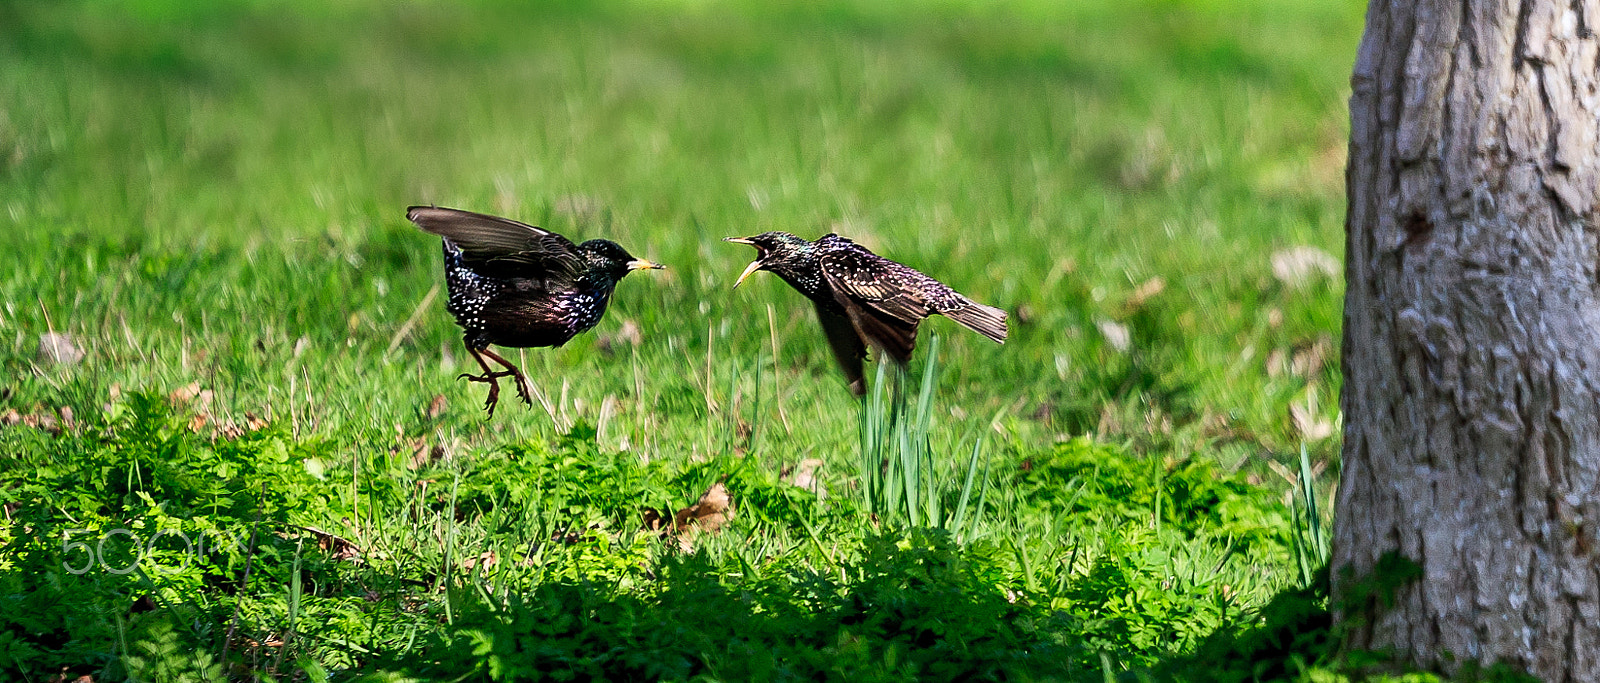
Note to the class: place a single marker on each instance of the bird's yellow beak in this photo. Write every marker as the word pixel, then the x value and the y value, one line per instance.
pixel 644 264
pixel 754 265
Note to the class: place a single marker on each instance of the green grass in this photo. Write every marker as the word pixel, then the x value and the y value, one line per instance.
pixel 214 194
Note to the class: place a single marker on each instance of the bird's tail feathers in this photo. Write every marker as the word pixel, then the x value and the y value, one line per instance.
pixel 985 320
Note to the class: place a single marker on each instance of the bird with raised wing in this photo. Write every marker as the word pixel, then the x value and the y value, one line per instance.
pixel 864 299
pixel 517 285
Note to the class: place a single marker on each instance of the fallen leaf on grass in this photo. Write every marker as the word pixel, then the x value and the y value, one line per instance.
pixel 233 430
pixel 629 334
pixel 1292 478
pixel 1309 424
pixel 709 514
pixel 436 406
pixel 654 520
pixel 1116 335
pixel 1312 359
pixel 42 421
pixel 338 548
pixel 1144 292
pixel 56 348
pixel 487 559
pixel 804 475
pixel 183 394
pixel 1299 266
pixel 422 455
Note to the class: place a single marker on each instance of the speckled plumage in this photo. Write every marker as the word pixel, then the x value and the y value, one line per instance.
pixel 521 312
pixel 514 284
pixel 863 299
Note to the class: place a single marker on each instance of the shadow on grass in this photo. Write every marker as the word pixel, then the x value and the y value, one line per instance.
pixel 910 608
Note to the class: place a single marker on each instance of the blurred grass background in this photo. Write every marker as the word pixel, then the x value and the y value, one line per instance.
pixel 192 189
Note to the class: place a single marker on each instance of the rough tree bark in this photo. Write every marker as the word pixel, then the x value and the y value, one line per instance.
pixel 1472 334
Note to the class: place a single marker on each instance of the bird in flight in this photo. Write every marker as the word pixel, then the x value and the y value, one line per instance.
pixel 864 299
pixel 517 285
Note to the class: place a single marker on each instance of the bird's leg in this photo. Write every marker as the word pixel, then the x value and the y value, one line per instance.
pixel 489 377
pixel 521 379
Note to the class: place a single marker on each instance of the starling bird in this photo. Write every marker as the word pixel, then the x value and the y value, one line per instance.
pixel 516 285
pixel 864 299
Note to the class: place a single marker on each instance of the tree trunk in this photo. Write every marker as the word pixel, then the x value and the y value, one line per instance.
pixel 1472 335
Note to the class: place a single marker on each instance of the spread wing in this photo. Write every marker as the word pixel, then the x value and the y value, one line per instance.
pixel 847 346
pixel 880 297
pixel 500 247
pixel 898 293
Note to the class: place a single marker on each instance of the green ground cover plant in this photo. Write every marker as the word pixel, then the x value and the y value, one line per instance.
pixel 252 459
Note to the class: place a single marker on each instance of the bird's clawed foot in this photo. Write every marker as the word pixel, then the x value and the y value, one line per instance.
pixel 511 371
pixel 522 388
pixel 493 380
pixel 490 377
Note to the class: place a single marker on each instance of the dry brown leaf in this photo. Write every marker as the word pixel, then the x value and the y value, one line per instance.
pixel 43 421
pixel 1312 359
pixel 710 513
pixel 184 394
pixel 423 456
pixel 486 560
pixel 436 406
pixel 1145 291
pixel 713 510
pixel 10 418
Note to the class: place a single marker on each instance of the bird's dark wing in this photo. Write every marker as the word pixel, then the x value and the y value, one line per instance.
pixel 848 349
pixel 880 297
pixel 889 288
pixel 893 336
pixel 500 246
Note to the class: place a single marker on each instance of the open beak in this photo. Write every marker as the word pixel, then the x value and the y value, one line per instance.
pixel 644 264
pixel 754 265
